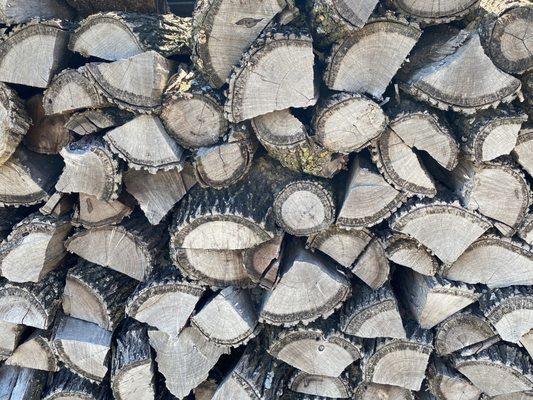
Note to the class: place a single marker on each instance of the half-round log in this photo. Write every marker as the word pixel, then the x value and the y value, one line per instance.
pixel 341 387
pixel 93 213
pixel 408 252
pixel 35 352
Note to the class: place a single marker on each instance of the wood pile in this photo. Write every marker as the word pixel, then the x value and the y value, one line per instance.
pixel 269 199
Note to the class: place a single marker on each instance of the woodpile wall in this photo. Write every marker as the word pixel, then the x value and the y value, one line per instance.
pixel 271 199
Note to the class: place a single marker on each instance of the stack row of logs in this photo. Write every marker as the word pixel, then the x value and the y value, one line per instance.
pixel 319 199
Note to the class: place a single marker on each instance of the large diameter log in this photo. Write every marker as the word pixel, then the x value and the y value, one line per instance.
pixel 33 53
pixel 93 213
pixel 21 12
pixel 256 89
pixel 36 352
pixel 446 384
pixel 408 252
pixel 10 336
pixel 524 148
pixel 68 385
pixel 21 383
pixel 366 60
pixel 435 12
pixel 94 121
pixel 87 7
pixel 15 122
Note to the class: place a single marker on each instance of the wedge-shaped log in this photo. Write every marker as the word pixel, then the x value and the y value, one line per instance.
pixel 33 53
pixel 10 335
pixel 256 89
pixel 96 294
pixel 132 367
pixel 372 266
pixel 144 144
pixel 372 314
pixel 367 60
pixel 93 213
pixel 165 301
pixel 262 262
pixel 34 247
pixel 435 12
pixel 36 352
pixel 87 7
pixel 21 383
pixel 66 384
pixel 21 12
pixel 94 121
pixel 185 361
pixel 83 347
pixel 58 205
pixel 446 384
pixel 371 391
pixel 341 387
pixel 229 319
pixel 524 148
pixel 15 122
pixel 408 252
pixel 486 261
pixel 223 30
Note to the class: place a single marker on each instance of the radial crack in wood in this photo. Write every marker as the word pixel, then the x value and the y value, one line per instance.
pixel 262 262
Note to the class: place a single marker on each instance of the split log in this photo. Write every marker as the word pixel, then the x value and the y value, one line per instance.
pixel 32 304
pixel 504 33
pixel 114 36
pixel 256 89
pixel 27 178
pixel 93 213
pixel 498 370
pixel 372 266
pixel 451 71
pixel 192 110
pixel 132 367
pixel 309 288
pixel 185 361
pixel 90 168
pixel 229 318
pixel 524 148
pixel 94 121
pixel 158 193
pixel 87 7
pixel 96 294
pixel 408 356
pixel 83 347
pixel 368 198
pixel 527 342
pixel 317 349
pixel 446 229
pixel 165 301
pixel 35 352
pixel 225 164
pixel 286 139
pixel 433 299
pixel 21 383
pixel 406 251
pixel 66 384
pixel 372 391
pixel 486 261
pixel 322 386
pixel 372 314
pixel 22 12
pixel 206 390
pixel 435 12
pixel 34 247
pixel 57 205
pixel 223 30
pixel 510 311
pixel 367 60
pixel 144 144
pixel 525 231
pixel 446 384
pixel 33 53
pixel 15 122
pixel 262 262
pixel 347 122
pixel 130 248
pixel 10 335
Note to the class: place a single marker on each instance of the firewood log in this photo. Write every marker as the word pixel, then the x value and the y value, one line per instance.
pixel 434 12
pixel 34 247
pixel 366 60
pixel 58 205
pixel 155 301
pixel 132 367
pixel 96 294
pixel 262 262
pixel 33 53
pixel 372 314
pixel 93 121
pixel 186 360
pixel 130 247
pixel 256 89
pixel 10 336
pixel 525 231
pixel 21 383
pixel 87 7
pixel 36 352
pixel 229 318
pixel 66 384
pixel 136 140
pixel 83 347
pixel 408 252
pixel 93 213
pixel 372 266
pixel 223 30
pixel 15 122
pixel 205 390
pixel 341 387
pixel 22 12
pixel 446 384
pixel 371 391
pixel 524 148
pixel 527 342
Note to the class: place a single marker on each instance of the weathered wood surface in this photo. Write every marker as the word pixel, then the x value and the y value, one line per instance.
pixel 21 12
pixel 15 122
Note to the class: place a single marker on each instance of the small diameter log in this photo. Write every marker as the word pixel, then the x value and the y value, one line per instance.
pixel 446 384
pixel 130 248
pixel 262 262
pixel 185 361
pixel 433 299
pixel 524 148
pixel 256 89
pixel 22 12
pixel 36 352
pixel 94 121
pixel 372 391
pixel 165 301
pixel 347 122
pixel 451 71
pixel 27 178
pixel 21 383
pixel 15 122
pixel 295 297
pixel 372 266
pixel 372 314
pixel 408 356
pixel 33 53
pixel 367 60
pixel 34 247
pixel 192 110
pixel 158 193
pixel 408 252
pixel 435 12
pixel 446 229
pixel 486 261
pixel 219 41
pixel 132 367
pixel 68 385
pixel 287 140
pixel 90 168
pixel 83 347
pixel 225 164
pixel 144 144
pixel 96 294
pixel 341 387
pixel 93 213
pixel 10 335
pixel 87 7
pixel 229 318
pixel 368 198
pixel 498 370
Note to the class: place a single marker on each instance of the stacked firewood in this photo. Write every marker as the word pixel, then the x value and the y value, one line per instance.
pixel 267 200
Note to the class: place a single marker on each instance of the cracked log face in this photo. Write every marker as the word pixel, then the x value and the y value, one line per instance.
pixel 434 11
